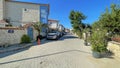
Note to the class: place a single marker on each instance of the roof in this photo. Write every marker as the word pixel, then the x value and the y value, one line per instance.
pixel 27 2
pixel 51 20
pixel 27 25
pixel 3 22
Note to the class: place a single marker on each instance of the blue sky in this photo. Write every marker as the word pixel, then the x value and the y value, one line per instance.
pixel 60 9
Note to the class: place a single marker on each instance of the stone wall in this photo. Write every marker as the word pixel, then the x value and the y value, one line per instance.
pixel 11 38
pixel 7 38
pixel 114 47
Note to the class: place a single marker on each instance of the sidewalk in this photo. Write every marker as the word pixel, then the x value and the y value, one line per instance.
pixel 18 46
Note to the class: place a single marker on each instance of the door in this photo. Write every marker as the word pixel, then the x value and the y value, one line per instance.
pixel 30 32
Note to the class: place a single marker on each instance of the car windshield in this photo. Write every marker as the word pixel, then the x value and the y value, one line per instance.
pixel 53 31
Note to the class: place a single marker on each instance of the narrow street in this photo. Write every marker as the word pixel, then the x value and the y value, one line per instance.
pixel 67 52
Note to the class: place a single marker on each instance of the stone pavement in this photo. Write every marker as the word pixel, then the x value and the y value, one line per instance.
pixel 68 52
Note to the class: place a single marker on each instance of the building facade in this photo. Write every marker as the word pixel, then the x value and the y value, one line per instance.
pixel 44 12
pixel 53 24
pixel 20 13
pixel 61 28
pixel 1 9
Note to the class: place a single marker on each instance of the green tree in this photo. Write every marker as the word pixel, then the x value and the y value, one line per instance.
pixel 38 26
pixel 76 21
pixel 110 20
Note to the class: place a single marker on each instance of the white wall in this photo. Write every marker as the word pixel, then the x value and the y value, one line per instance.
pixel 114 47
pixel 15 12
pixel 11 38
pixel 2 24
pixel 14 38
pixel 1 9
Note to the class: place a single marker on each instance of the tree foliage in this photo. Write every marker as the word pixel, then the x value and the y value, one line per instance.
pixel 38 26
pixel 98 41
pixel 76 21
pixel 109 20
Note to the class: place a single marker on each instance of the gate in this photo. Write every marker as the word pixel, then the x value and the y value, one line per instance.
pixel 30 32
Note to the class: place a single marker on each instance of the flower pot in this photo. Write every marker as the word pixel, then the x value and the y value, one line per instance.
pixel 96 54
pixel 85 43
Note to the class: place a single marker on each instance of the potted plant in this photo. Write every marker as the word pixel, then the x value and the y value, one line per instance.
pixel 99 43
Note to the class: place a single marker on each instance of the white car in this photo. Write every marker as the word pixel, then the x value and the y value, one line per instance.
pixel 53 35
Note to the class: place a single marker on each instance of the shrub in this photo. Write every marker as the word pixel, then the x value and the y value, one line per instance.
pixel 79 34
pixel 9 25
pixel 98 41
pixel 25 39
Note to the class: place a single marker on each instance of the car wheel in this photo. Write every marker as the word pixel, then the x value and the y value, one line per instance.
pixel 56 38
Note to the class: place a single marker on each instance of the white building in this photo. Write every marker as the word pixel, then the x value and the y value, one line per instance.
pixel 3 23
pixel 53 24
pixel 19 13
pixel 61 28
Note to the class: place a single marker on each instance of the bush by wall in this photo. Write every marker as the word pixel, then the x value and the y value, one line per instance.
pixel 98 41
pixel 25 39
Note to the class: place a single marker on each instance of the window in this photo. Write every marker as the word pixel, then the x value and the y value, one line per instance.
pixel 25 9
pixel 43 14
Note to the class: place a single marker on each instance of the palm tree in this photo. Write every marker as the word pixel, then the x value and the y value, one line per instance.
pixel 38 26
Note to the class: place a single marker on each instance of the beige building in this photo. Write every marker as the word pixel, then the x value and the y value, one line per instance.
pixel 61 28
pixel 19 13
pixel 53 24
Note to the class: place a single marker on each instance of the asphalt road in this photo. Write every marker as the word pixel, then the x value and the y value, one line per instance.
pixel 67 52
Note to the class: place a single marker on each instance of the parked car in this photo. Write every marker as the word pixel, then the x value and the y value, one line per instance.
pixel 53 35
pixel 64 33
pixel 59 34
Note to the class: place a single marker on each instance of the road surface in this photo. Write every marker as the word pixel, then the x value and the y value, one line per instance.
pixel 67 52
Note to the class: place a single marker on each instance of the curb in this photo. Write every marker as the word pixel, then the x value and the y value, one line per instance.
pixel 14 49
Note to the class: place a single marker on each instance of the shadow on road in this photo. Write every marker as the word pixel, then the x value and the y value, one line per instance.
pixel 12 52
pixel 60 39
pixel 43 56
pixel 68 37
